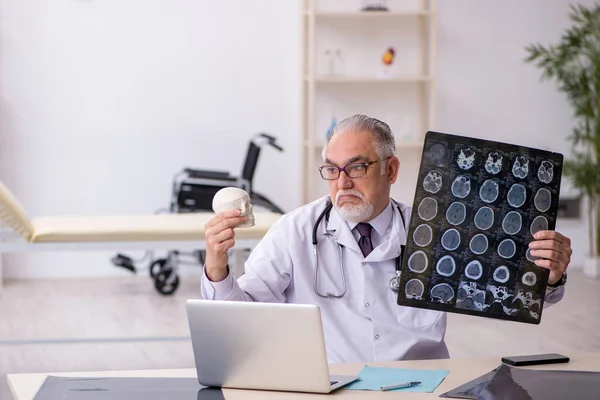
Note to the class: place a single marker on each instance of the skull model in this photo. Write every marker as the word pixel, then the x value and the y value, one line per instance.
pixel 232 198
pixel 520 167
pixel 466 158
pixel 546 172
pixel 493 164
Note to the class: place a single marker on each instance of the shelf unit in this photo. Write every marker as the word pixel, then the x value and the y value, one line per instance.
pixel 403 95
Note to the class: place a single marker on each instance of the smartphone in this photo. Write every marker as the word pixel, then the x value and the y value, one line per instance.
pixel 535 359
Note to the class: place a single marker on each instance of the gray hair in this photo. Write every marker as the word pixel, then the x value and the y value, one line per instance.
pixel 385 144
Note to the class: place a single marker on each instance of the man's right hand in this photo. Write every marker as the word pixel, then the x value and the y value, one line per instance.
pixel 220 237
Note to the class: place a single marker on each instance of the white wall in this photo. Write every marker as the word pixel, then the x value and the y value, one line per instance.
pixel 485 89
pixel 101 102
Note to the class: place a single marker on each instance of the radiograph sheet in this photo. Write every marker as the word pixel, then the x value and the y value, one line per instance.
pixel 477 205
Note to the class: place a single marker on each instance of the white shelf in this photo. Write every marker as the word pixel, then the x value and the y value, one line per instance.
pixel 367 14
pixel 368 79
pixel 399 145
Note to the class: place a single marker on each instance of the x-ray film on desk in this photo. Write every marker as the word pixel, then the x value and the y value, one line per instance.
pixel 477 205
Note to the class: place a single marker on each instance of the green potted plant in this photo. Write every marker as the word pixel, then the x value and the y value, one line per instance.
pixel 574 63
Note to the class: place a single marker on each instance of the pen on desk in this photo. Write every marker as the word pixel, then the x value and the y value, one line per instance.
pixel 400 385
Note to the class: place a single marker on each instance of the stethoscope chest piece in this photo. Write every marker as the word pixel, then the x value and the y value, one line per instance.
pixel 395 282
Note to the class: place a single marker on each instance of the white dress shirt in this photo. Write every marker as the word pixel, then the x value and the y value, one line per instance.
pixel 366 324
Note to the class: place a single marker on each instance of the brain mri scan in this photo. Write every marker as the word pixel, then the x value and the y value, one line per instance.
pixel 489 191
pixel 546 172
pixel 484 218
pixel 520 167
pixel 542 200
pixel 501 274
pixel 479 244
pixel 422 235
pixel 417 262
pixel 427 209
pixel 446 266
pixel 466 158
pixel 474 270
pixel 433 182
pixel 517 195
pixel 451 239
pixel 456 213
pixel 477 204
pixel 461 186
pixel 512 223
pixel 442 292
pixel 493 164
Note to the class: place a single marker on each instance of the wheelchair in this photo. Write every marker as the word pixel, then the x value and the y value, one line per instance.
pixel 193 191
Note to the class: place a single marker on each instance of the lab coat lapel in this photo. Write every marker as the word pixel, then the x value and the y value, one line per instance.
pixel 391 248
pixel 343 235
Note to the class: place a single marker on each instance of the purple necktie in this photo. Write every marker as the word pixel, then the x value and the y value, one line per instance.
pixel 365 238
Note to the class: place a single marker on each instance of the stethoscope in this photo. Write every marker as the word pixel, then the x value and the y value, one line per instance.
pixel 394 282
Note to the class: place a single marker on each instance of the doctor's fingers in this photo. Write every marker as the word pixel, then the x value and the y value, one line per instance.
pixel 552 258
pixel 219 218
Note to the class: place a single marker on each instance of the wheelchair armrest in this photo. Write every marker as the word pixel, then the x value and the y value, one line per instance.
pixel 206 174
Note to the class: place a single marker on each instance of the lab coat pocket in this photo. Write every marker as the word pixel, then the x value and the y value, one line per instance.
pixel 415 318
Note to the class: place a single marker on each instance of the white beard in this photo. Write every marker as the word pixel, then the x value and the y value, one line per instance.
pixel 354 213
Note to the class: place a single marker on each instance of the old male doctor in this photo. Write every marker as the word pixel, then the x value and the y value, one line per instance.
pixel 361 319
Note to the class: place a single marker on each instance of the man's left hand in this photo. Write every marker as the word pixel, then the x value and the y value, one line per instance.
pixel 555 251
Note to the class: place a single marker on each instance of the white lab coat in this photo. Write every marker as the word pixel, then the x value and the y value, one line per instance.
pixel 364 325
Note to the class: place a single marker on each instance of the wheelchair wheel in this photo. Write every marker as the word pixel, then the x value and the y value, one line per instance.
pixel 157 266
pixel 165 283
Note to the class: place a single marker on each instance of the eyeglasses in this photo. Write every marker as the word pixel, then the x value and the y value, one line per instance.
pixel 354 170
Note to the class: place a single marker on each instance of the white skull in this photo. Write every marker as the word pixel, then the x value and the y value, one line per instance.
pixel 232 198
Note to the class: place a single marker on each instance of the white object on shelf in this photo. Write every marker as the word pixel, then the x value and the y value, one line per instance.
pixel 402 95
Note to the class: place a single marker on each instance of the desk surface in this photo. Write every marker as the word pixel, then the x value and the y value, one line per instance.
pixel 25 386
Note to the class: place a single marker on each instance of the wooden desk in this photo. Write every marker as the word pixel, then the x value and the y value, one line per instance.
pixel 25 386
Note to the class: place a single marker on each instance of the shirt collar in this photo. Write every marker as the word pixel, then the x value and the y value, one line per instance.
pixel 381 222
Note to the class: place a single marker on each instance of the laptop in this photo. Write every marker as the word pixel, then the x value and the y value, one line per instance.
pixel 265 346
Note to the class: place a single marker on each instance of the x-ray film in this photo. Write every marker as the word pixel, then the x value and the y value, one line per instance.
pixel 477 205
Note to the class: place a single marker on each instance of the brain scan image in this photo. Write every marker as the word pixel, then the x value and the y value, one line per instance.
pixel 446 266
pixel 476 204
pixel 540 223
pixel 501 274
pixel 484 218
pixel 493 163
pixel 466 158
pixel 422 235
pixel 470 297
pixel 427 209
pixel 520 167
pixel 432 182
pixel 461 186
pixel 479 244
pixel 546 172
pixel 474 270
pixel 507 248
pixel 489 191
pixel 414 289
pixel 517 195
pixel 451 239
pixel 512 223
pixel 417 262
pixel 542 200
pixel 437 155
pixel 456 213
pixel 442 293
pixel 529 278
